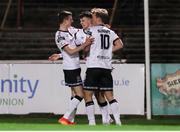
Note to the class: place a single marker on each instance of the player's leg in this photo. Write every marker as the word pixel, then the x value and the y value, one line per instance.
pixel 72 115
pixel 77 94
pixel 114 106
pixel 90 85
pixel 77 91
pixel 89 107
pixel 103 105
pixel 73 80
pixel 106 84
pixel 74 102
pixel 69 121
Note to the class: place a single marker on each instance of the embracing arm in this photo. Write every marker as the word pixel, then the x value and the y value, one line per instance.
pixel 55 57
pixel 117 45
pixel 79 48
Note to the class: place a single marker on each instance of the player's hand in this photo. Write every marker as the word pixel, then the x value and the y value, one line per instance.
pixel 87 49
pixel 89 41
pixel 54 57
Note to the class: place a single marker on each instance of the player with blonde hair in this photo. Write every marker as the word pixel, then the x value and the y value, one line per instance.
pixel 99 67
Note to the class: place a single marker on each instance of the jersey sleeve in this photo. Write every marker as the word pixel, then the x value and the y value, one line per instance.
pixel 114 37
pixel 60 41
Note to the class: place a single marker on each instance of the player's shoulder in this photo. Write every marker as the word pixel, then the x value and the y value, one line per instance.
pixel 99 27
pixel 93 29
pixel 109 30
pixel 60 33
pixel 57 32
pixel 60 36
pixel 65 34
pixel 102 29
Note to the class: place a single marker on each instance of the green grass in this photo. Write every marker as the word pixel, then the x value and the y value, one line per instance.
pixel 49 123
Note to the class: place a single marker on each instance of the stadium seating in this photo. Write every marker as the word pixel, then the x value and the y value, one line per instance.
pixel 35 40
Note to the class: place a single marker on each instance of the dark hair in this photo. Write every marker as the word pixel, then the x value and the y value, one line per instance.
pixel 85 14
pixel 63 15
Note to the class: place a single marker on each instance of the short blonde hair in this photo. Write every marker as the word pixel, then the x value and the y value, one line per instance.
pixel 101 13
pixel 99 10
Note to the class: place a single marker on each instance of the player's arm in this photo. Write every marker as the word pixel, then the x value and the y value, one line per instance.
pixel 87 49
pixel 117 45
pixel 55 57
pixel 71 51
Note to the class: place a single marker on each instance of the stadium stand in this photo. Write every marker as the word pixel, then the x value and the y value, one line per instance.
pixel 35 39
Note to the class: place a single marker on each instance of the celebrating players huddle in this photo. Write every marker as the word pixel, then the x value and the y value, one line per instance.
pixel 98 43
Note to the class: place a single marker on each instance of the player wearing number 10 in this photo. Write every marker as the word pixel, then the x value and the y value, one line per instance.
pixel 98 74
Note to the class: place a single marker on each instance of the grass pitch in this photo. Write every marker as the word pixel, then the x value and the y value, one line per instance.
pixel 49 123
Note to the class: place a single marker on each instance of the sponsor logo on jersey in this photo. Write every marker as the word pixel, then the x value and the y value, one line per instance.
pixel 102 57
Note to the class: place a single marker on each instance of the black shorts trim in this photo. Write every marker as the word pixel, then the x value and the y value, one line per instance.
pixel 97 89
pixel 74 85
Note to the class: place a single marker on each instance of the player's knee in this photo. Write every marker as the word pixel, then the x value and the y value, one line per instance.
pixel 113 101
pixel 102 104
pixel 89 103
pixel 78 97
pixel 87 98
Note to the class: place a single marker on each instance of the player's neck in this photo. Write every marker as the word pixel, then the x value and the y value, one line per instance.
pixel 99 23
pixel 63 27
pixel 85 28
pixel 90 25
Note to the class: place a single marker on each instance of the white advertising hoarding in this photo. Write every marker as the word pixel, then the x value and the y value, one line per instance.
pixel 39 88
